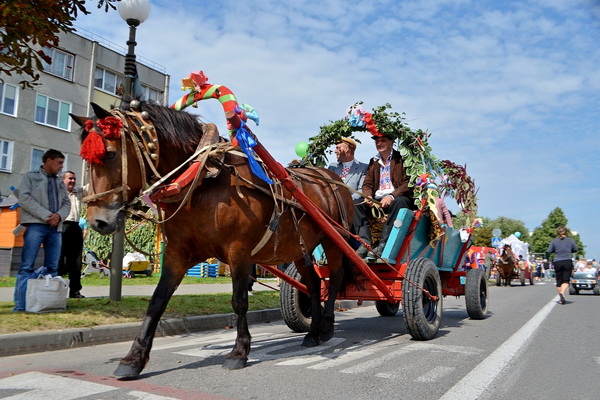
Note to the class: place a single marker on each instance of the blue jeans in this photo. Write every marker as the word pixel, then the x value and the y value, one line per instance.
pixel 35 236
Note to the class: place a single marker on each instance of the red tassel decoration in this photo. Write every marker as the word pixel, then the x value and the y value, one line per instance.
pixel 93 148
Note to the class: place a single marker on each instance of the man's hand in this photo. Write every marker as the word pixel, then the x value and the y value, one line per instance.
pixel 386 201
pixel 53 219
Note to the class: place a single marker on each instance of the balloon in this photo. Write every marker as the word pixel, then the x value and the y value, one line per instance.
pixel 518 234
pixel 302 149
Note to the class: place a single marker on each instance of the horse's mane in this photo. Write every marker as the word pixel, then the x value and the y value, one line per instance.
pixel 176 129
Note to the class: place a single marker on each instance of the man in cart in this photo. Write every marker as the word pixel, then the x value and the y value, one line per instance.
pixel 387 182
pixel 352 173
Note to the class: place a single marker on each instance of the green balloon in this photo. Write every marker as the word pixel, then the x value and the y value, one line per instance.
pixel 302 149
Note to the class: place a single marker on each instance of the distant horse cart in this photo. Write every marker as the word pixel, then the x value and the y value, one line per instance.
pixel 224 203
pixel 508 269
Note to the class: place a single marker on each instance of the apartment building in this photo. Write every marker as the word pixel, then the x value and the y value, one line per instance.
pixel 85 68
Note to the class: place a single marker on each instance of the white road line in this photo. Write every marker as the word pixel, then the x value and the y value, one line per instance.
pixel 478 380
pixel 37 385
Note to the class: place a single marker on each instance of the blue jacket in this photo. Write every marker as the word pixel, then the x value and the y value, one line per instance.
pixel 355 177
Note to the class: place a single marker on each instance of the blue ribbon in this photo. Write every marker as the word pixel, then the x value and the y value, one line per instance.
pixel 247 142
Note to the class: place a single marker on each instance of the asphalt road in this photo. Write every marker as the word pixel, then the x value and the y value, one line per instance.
pixel 529 347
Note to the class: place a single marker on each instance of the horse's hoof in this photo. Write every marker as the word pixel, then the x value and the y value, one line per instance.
pixel 311 341
pixel 325 336
pixel 235 363
pixel 127 371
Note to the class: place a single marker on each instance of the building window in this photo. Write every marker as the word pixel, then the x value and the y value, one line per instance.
pixel 62 63
pixel 36 159
pixel 52 112
pixel 151 95
pixel 108 81
pixel 6 150
pixel 8 99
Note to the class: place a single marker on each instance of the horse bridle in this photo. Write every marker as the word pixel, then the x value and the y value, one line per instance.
pixel 145 144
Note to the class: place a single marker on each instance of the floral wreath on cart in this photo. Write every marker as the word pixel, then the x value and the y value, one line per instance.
pixel 430 177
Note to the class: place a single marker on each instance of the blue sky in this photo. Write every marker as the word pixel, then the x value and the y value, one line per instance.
pixel 511 88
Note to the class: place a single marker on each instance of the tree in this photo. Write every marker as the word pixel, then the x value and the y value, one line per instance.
pixel 25 26
pixel 483 236
pixel 543 235
pixel 509 226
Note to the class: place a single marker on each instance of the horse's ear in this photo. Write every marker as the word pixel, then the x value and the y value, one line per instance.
pixel 100 112
pixel 79 120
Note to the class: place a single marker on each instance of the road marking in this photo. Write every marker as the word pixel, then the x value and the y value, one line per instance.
pixel 148 396
pixel 435 374
pixel 478 380
pixel 37 385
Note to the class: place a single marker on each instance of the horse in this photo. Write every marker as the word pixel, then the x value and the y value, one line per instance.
pixel 227 212
pixel 506 265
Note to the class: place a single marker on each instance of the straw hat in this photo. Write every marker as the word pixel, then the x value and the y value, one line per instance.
pixel 348 141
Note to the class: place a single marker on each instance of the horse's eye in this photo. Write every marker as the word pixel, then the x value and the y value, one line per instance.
pixel 110 155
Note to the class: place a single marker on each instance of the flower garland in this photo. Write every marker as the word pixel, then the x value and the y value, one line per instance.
pixel 421 165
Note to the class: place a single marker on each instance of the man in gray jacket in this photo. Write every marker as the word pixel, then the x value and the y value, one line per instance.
pixel 44 205
pixel 352 173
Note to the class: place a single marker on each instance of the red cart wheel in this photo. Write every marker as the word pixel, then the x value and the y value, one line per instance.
pixel 422 314
pixel 476 294
pixel 387 309
pixel 295 306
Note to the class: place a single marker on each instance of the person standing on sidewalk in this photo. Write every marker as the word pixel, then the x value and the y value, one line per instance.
pixel 563 248
pixel 72 238
pixel 44 206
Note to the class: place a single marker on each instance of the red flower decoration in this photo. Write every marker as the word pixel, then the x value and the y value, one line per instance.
pixel 370 125
pixel 111 127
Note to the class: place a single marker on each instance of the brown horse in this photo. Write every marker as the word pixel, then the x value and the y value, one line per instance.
pixel 506 265
pixel 233 215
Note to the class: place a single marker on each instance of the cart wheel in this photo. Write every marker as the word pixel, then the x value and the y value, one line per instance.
pixel 295 305
pixel 387 309
pixel 476 294
pixel 522 277
pixel 498 279
pixel 421 314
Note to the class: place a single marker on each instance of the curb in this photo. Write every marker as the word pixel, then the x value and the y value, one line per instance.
pixel 35 342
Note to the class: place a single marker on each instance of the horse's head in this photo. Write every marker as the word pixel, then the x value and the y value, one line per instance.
pixel 114 172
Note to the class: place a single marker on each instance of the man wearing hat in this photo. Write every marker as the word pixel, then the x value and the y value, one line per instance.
pixel 352 173
pixel 386 181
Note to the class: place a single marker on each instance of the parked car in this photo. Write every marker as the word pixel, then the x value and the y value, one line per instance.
pixel 584 280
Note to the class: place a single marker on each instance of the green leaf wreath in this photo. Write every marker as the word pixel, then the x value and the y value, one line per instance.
pixel 429 176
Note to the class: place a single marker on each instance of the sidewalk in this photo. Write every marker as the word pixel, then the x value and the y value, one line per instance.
pixel 7 293
pixel 34 342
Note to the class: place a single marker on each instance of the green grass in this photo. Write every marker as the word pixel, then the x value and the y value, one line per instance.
pixel 90 312
pixel 96 280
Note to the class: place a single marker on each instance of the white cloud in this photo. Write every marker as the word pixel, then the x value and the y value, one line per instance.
pixel 509 88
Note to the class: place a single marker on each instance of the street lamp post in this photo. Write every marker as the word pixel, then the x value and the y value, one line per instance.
pixel 134 12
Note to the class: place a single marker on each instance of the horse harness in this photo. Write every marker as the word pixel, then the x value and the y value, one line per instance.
pixel 209 160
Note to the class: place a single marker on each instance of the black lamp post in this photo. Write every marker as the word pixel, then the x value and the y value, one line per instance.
pixel 134 12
